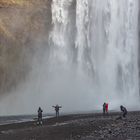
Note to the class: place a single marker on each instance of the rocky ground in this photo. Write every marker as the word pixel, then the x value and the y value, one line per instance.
pixel 77 127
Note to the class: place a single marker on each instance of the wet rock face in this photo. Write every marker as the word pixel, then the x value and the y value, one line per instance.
pixel 22 25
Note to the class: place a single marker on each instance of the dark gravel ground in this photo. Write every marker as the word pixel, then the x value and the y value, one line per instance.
pixel 77 127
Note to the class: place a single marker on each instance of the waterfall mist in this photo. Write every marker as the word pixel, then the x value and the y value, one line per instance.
pixel 89 56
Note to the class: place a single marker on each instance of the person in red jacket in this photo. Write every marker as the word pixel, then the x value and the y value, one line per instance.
pixel 106 107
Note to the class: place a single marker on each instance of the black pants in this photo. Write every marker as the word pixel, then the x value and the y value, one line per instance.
pixel 103 110
pixel 39 120
pixel 124 114
pixel 57 113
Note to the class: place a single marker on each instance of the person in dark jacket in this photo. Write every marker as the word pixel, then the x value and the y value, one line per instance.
pixel 104 108
pixel 57 108
pixel 124 111
pixel 40 116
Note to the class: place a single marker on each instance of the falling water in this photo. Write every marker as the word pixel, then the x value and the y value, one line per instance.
pixel 91 57
pixel 106 43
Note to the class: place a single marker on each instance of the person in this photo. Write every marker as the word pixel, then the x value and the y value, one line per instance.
pixel 104 108
pixel 40 116
pixel 57 108
pixel 124 111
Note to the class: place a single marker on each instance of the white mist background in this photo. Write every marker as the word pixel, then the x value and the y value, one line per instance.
pixel 102 66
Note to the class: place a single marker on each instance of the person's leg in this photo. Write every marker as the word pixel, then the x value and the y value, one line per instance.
pixel 57 114
pixel 37 120
pixel 124 115
pixel 107 110
pixel 103 111
pixel 41 120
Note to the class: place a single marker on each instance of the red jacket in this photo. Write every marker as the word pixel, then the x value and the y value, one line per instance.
pixel 106 107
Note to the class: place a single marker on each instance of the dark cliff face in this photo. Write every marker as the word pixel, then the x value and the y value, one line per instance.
pixel 22 25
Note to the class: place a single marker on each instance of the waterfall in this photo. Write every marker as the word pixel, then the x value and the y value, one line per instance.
pixel 106 43
pixel 59 35
pixel 89 56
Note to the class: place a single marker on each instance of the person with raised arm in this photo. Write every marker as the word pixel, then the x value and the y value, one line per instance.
pixel 57 108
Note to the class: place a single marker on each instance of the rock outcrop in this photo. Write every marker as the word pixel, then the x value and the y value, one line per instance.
pixel 23 23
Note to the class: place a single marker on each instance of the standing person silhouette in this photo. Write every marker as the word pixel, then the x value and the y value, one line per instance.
pixel 40 116
pixel 124 111
pixel 104 108
pixel 57 108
